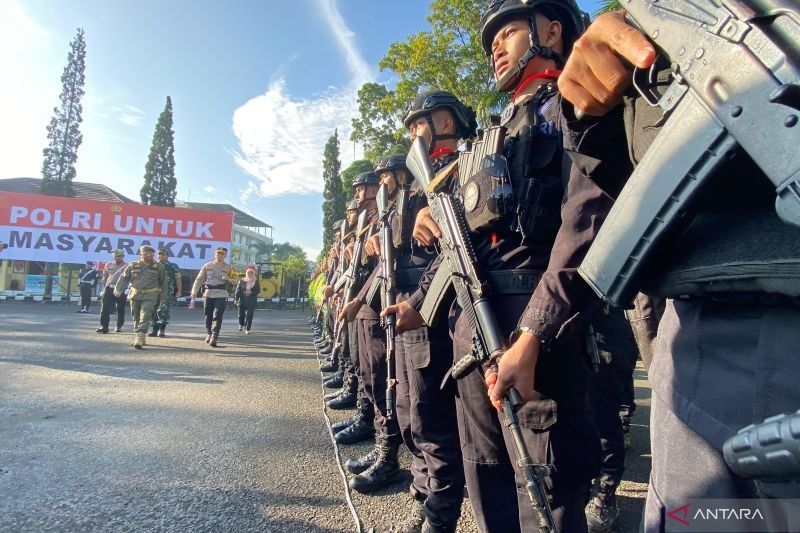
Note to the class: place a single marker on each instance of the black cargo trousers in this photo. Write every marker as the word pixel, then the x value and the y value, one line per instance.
pixel 372 371
pixel 556 428
pixel 426 413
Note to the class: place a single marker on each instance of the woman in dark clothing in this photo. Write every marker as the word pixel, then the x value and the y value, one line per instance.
pixel 246 297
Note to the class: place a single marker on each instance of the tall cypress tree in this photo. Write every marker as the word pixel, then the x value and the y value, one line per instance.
pixel 63 132
pixel 334 195
pixel 159 173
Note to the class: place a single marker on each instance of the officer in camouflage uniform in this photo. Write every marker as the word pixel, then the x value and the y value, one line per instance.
pixel 148 280
pixel 161 316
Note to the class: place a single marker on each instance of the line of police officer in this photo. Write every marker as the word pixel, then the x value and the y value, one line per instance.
pixel 450 427
pixel 533 212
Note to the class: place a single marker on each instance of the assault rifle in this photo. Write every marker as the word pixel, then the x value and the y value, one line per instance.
pixel 735 86
pixel 461 266
pixel 348 277
pixel 386 279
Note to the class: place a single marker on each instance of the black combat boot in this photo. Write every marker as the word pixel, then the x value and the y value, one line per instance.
pixel 601 511
pixel 335 381
pixel 153 333
pixel 382 472
pixel 362 429
pixel 431 526
pixel 334 394
pixel 357 465
pixel 324 352
pixel 102 330
pixel 414 519
pixel 345 400
pixel 344 424
pixel 161 333
pixel 330 366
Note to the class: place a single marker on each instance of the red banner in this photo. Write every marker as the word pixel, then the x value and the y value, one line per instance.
pixel 73 230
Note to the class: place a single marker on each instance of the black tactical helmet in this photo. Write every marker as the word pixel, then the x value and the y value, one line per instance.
pixel 499 12
pixel 426 103
pixel 352 206
pixel 391 162
pixel 366 178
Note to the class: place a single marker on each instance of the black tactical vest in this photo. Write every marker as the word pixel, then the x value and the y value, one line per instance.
pixel 732 240
pixel 534 155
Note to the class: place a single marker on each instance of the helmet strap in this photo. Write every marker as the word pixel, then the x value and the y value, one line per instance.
pixel 436 136
pixel 513 77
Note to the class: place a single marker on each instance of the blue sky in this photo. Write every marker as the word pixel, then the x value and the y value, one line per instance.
pixel 257 88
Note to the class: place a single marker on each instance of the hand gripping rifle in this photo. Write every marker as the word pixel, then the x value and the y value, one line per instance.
pixel 735 86
pixel 487 338
pixel 388 293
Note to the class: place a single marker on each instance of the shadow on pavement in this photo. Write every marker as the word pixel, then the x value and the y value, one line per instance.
pixel 125 371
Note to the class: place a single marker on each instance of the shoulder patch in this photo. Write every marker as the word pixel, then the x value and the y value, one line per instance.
pixel 508 114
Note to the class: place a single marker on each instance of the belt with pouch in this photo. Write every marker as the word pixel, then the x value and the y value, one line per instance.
pixel 146 291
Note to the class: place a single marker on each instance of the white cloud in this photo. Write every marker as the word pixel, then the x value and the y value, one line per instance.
pixel 282 137
pixel 346 41
pixel 250 189
pixel 128 114
pixel 209 189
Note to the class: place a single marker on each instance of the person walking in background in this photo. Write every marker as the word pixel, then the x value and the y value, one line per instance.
pixel 161 315
pixel 87 280
pixel 148 280
pixel 110 303
pixel 214 277
pixel 246 297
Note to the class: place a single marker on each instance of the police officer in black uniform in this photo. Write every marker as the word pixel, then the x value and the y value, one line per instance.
pixel 527 42
pixel 610 391
pixel 725 355
pixel 360 426
pixel 426 411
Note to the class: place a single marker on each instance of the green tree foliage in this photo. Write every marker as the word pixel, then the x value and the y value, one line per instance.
pixel 295 266
pixel 608 6
pixel 295 274
pixel 379 127
pixel 159 173
pixel 348 174
pixel 446 56
pixel 334 195
pixel 63 132
pixel 277 251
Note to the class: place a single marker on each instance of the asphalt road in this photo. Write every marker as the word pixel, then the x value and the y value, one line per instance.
pixel 95 436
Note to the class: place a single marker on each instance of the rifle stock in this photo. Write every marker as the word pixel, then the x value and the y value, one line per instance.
pixel 733 88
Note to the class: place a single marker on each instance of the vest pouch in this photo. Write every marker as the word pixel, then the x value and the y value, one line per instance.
pixel 539 210
pixel 487 195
